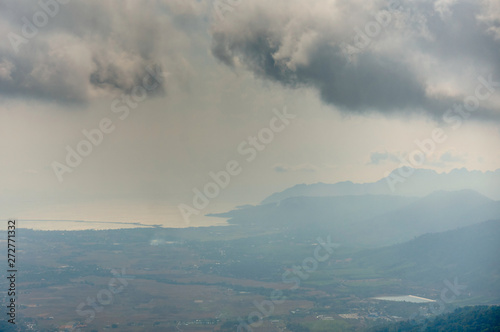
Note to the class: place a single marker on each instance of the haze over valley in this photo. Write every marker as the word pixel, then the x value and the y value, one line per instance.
pixel 250 165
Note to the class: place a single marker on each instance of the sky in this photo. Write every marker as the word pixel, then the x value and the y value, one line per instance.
pixel 126 110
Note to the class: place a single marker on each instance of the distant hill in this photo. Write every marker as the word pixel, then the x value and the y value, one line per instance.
pixel 467 319
pixel 436 212
pixel 469 254
pixel 421 183
pixel 373 220
pixel 296 211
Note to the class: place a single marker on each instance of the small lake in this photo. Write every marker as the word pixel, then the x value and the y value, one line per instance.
pixel 404 298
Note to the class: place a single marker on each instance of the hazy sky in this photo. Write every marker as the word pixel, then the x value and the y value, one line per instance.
pixel 178 89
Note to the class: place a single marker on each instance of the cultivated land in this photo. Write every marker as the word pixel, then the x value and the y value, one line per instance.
pixel 205 279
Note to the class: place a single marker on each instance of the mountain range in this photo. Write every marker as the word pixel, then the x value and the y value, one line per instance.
pixel 365 215
pixel 420 183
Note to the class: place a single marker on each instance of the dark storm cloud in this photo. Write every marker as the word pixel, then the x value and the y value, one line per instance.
pixel 426 56
pixel 77 51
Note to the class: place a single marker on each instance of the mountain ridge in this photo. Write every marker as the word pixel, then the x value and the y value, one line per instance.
pixel 420 183
pixel 370 220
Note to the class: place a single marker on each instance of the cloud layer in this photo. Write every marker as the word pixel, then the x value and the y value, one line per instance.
pixel 389 57
pixel 76 51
